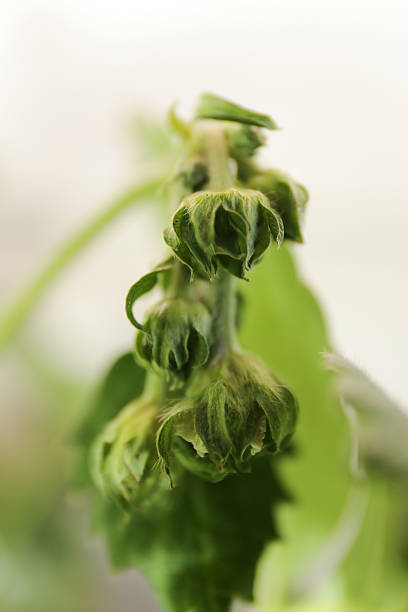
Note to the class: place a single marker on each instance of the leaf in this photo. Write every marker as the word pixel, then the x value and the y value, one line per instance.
pixel 213 107
pixel 142 286
pixel 284 325
pixel 153 139
pixel 374 572
pixel 325 560
pixel 199 543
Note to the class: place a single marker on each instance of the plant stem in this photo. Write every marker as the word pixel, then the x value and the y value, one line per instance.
pixel 180 283
pixel 12 318
pixel 154 388
pixel 224 318
pixel 225 302
pixel 218 161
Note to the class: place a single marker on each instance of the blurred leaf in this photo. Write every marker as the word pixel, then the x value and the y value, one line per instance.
pixel 341 546
pixel 284 325
pixel 41 559
pixel 151 136
pixel 374 573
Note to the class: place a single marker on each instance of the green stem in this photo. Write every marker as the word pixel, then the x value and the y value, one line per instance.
pixel 155 388
pixel 225 311
pixel 180 283
pixel 225 302
pixel 12 318
pixel 218 161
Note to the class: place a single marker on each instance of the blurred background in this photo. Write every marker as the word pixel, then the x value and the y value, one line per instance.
pixel 74 75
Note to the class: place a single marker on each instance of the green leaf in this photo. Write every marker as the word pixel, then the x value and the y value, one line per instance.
pixel 141 287
pixel 374 573
pixel 338 551
pixel 213 107
pixel 199 543
pixel 284 325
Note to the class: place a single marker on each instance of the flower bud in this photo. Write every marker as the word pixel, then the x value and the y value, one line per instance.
pixel 123 455
pixel 232 411
pixel 230 228
pixel 286 196
pixel 176 338
pixel 243 141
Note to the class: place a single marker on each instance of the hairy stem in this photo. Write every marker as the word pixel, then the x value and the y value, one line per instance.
pixel 225 303
pixel 12 318
pixel 218 161
pixel 224 318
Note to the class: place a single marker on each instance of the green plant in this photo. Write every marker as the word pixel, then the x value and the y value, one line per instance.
pixel 224 473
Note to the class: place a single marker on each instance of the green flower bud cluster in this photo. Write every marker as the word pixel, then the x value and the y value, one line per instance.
pixel 209 408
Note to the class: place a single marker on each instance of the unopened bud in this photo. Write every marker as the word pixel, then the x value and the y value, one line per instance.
pixel 230 228
pixel 176 338
pixel 286 196
pixel 233 411
pixel 124 455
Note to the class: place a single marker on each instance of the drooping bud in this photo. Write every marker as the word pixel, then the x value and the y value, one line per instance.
pixel 176 338
pixel 243 142
pixel 286 196
pixel 232 411
pixel 230 228
pixel 123 456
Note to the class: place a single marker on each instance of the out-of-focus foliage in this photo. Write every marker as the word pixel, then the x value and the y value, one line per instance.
pixel 41 562
pixel 342 537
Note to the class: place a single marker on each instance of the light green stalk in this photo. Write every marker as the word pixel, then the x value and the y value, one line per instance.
pixel 19 308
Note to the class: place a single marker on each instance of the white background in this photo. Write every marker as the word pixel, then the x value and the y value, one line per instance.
pixel 332 74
